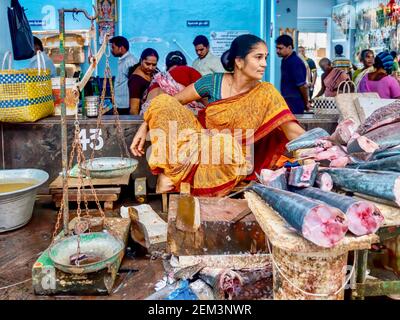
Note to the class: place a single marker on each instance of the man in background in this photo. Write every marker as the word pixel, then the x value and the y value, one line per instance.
pixel 48 62
pixel 206 62
pixel 313 71
pixel 120 49
pixel 343 63
pixel 294 88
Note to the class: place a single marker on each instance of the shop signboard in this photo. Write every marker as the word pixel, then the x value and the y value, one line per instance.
pixel 221 40
pixel 198 23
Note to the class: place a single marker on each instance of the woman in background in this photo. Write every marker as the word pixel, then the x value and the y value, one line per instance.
pixel 380 80
pixel 331 78
pixel 367 58
pixel 140 76
pixel 177 77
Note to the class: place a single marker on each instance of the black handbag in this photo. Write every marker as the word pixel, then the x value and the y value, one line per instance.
pixel 21 33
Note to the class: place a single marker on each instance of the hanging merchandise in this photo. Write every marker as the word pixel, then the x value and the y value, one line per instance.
pixel 25 95
pixel 20 31
pixel 107 16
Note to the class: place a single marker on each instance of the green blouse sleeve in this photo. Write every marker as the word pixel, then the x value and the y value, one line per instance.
pixel 204 86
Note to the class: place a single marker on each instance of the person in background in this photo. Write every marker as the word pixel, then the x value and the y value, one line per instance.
pixel 140 76
pixel 206 62
pixel 380 80
pixel 177 77
pixel 48 62
pixel 396 67
pixel 341 62
pixel 313 71
pixel 120 49
pixel 294 86
pixel 367 58
pixel 331 78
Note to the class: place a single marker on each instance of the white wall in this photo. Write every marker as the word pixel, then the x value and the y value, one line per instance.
pixel 313 8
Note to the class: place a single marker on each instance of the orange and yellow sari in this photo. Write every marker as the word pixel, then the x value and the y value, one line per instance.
pixel 214 152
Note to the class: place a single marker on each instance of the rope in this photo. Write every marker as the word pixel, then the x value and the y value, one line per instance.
pixel 305 292
pixel 15 284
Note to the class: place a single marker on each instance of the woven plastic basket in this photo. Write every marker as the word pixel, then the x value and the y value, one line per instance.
pixel 25 95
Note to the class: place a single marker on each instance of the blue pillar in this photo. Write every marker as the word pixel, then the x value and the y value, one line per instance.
pixel 5 39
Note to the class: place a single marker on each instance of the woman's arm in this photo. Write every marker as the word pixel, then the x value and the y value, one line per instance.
pixel 137 146
pixel 292 130
pixel 134 104
pixel 187 95
pixel 322 91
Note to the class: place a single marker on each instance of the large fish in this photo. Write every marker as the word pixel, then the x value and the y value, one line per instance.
pixel 321 224
pixel 303 176
pixel 344 131
pixel 324 181
pixel 385 164
pixel 309 139
pixel 362 216
pixel 383 116
pixel 275 179
pixel 379 184
pixel 395 151
pixel 361 144
pixel 386 137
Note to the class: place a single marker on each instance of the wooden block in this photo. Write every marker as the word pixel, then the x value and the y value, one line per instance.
pixel 240 261
pixel 74 182
pixel 89 197
pixel 88 191
pixel 241 215
pixel 185 188
pixel 108 205
pixel 188 214
pixel 147 228
pixel 217 234
pixel 164 202
pixel 140 190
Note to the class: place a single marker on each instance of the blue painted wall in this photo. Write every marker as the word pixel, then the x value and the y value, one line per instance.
pixel 5 40
pixel 286 17
pixel 165 22
pixel 154 20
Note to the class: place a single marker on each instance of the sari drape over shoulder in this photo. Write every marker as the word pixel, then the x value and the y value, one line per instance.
pixel 214 152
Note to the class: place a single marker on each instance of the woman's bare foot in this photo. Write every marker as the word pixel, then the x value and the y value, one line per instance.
pixel 164 184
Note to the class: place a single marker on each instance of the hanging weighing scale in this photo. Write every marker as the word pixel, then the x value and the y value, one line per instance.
pixel 79 260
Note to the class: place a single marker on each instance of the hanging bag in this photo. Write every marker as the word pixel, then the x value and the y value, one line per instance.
pixel 20 31
pixel 25 95
pixel 328 105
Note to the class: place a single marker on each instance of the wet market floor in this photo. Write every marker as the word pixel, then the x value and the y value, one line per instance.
pixel 19 250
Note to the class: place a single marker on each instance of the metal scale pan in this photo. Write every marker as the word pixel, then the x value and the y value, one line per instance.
pixel 109 167
pixel 101 245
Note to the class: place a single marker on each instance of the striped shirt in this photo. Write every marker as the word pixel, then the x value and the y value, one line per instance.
pixel 343 64
pixel 121 80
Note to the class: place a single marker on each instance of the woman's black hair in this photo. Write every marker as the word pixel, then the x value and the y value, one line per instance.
pixel 175 58
pixel 149 52
pixel 240 48
pixel 364 53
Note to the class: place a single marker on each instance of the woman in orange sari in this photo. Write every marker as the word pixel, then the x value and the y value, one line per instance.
pixel 244 128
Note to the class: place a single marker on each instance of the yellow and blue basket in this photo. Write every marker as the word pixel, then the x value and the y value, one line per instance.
pixel 25 95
